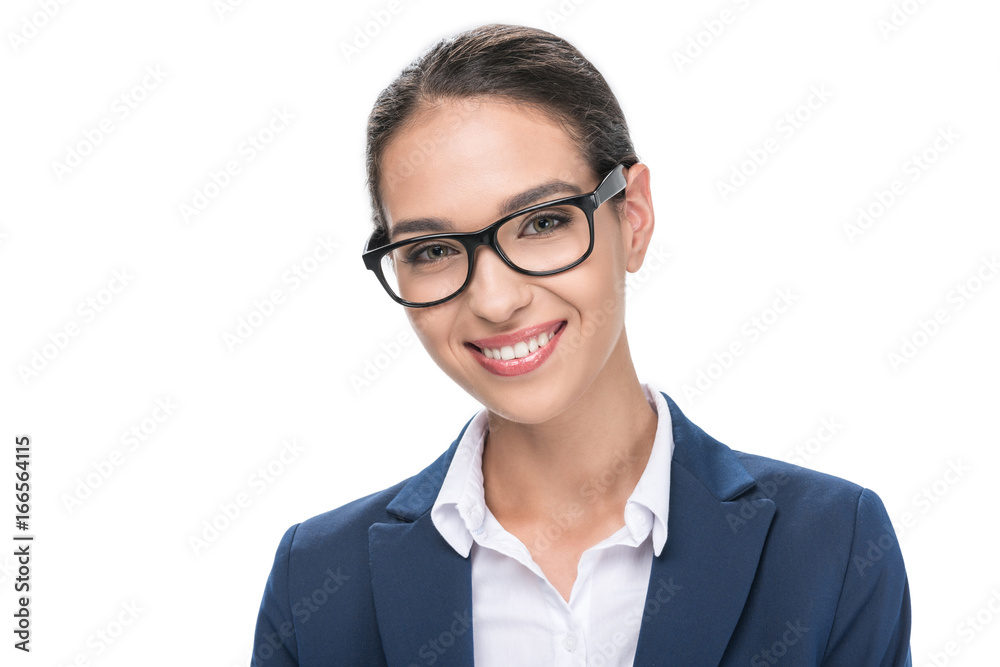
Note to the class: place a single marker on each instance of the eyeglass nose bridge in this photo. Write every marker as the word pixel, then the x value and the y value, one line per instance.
pixel 487 237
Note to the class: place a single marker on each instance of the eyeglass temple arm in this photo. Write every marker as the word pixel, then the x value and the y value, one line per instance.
pixel 374 241
pixel 612 184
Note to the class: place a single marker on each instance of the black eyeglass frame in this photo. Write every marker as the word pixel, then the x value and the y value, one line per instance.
pixel 611 185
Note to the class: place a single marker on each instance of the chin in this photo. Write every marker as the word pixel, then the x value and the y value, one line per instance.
pixel 526 405
pixel 527 411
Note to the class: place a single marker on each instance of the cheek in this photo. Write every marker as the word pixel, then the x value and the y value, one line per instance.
pixel 432 326
pixel 602 295
pixel 597 293
pixel 607 268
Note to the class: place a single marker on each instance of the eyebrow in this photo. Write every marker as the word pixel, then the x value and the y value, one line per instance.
pixel 507 206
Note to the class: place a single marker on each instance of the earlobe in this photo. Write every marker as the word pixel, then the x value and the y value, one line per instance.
pixel 638 215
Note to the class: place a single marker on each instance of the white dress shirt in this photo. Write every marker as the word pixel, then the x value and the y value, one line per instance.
pixel 519 618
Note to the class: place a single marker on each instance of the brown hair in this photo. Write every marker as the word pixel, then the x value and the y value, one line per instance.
pixel 520 64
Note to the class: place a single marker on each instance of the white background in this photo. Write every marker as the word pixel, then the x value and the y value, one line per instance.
pixel 300 375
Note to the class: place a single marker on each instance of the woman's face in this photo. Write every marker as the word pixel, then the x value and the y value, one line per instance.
pixel 458 162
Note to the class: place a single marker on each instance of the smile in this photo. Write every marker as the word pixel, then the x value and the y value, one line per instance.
pixel 517 352
pixel 521 348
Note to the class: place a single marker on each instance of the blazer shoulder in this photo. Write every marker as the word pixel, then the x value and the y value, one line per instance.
pixel 346 526
pixel 793 487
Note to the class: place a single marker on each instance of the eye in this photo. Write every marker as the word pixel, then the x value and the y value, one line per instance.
pixel 543 224
pixel 430 252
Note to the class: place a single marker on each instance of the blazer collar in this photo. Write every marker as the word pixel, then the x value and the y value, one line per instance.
pixel 697 588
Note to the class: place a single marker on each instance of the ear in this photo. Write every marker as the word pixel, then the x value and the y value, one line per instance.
pixel 637 228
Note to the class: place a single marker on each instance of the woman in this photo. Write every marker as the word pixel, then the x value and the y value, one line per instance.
pixel 579 518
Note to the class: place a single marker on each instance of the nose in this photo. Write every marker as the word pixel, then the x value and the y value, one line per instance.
pixel 495 290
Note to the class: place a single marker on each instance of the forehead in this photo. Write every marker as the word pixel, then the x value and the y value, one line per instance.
pixel 460 159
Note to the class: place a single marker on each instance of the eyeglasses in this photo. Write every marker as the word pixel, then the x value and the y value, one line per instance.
pixel 540 240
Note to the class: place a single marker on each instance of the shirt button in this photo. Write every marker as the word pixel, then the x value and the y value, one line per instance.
pixel 570 643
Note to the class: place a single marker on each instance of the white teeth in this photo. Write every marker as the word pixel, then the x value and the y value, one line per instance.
pixel 519 349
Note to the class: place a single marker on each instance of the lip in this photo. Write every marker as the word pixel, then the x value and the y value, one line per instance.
pixel 523 365
pixel 515 336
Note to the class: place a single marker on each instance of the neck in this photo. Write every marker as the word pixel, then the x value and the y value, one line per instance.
pixel 584 462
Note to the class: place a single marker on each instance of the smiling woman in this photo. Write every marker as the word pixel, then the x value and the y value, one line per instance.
pixel 540 536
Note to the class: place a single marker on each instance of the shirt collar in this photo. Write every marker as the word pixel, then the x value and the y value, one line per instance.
pixel 460 508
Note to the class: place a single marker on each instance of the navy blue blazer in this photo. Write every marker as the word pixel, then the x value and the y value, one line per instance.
pixel 765 562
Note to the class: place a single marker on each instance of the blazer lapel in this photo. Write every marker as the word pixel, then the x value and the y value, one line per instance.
pixel 422 588
pixel 700 581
